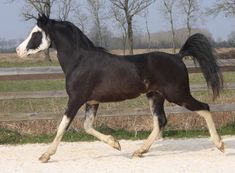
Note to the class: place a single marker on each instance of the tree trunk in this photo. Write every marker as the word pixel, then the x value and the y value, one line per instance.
pixel 147 29
pixel 189 27
pixel 130 35
pixel 173 34
pixel 124 44
pixel 99 32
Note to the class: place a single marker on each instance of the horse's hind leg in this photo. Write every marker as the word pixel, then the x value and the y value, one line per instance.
pixel 203 110
pixel 210 123
pixel 90 114
pixel 156 102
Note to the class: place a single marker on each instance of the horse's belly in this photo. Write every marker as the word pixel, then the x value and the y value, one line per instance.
pixel 117 92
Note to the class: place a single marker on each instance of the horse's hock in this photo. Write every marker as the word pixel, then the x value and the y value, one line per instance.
pixel 131 123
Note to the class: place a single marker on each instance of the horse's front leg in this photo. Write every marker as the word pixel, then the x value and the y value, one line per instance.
pixel 73 107
pixel 53 147
pixel 90 114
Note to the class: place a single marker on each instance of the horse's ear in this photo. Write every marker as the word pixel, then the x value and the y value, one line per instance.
pixel 42 20
pixel 39 15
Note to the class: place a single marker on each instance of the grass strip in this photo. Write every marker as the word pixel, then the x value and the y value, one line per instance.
pixel 12 137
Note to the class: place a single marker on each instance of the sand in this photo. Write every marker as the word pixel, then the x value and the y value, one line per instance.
pixel 167 156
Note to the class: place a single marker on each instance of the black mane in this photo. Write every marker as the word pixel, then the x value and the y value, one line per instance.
pixel 79 39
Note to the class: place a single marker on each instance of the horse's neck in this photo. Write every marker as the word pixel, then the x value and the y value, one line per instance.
pixel 64 53
pixel 67 54
pixel 67 60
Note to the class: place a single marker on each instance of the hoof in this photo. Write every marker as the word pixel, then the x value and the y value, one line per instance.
pixel 117 145
pixel 139 153
pixel 136 155
pixel 114 143
pixel 221 148
pixel 44 158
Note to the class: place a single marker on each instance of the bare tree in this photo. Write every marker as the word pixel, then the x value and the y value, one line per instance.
pixel 95 7
pixel 168 11
pixel 223 6
pixel 121 22
pixel 130 8
pixel 190 9
pixel 65 7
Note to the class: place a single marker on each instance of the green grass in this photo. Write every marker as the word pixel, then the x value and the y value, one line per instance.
pixel 7 64
pixel 33 105
pixel 32 85
pixel 12 137
pixel 197 78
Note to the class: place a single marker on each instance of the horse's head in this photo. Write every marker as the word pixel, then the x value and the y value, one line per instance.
pixel 38 39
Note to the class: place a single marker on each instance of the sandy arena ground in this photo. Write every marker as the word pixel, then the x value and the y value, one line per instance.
pixel 168 156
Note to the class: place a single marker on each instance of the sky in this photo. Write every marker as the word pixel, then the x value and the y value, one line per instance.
pixel 13 26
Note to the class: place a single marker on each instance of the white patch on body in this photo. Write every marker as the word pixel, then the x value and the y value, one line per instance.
pixel 45 44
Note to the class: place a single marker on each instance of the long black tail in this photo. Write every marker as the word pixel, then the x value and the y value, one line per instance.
pixel 200 49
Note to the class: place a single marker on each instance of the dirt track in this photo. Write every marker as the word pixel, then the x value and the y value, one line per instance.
pixel 168 156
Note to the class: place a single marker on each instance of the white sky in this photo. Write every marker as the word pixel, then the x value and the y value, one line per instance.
pixel 13 26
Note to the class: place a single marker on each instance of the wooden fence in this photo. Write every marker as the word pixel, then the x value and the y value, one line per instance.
pixel 45 73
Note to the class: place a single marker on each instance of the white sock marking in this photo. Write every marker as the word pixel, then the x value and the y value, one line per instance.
pixel 211 126
pixel 60 132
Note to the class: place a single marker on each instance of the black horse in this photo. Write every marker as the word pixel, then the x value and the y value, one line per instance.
pixel 93 76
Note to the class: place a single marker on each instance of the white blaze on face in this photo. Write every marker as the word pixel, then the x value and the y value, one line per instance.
pixel 23 51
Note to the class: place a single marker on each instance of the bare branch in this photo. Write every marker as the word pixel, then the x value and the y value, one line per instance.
pixel 65 8
pixel 121 22
pixel 223 6
pixel 32 7
pixel 80 18
pixel 96 9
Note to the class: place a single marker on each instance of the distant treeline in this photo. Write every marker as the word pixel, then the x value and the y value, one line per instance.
pixel 7 46
pixel 161 40
pixel 158 40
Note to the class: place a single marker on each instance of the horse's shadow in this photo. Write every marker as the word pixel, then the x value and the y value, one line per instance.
pixel 174 147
